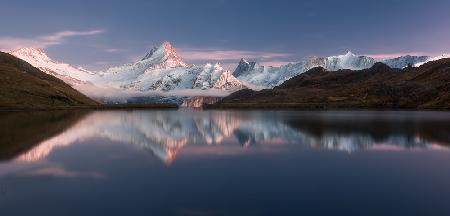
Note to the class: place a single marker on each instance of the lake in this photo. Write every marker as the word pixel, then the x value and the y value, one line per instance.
pixel 190 162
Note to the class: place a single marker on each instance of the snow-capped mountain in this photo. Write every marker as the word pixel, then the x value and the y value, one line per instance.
pixel 259 76
pixel 347 61
pixel 405 61
pixel 269 77
pixel 164 56
pixel 68 73
pixel 432 59
pixel 163 70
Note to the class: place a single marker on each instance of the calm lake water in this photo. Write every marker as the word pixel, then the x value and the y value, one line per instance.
pixel 225 163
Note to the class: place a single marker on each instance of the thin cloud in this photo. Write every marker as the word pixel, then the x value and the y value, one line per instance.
pixel 104 62
pixel 60 36
pixel 274 63
pixel 221 55
pixel 393 55
pixel 232 66
pixel 11 43
pixel 112 50
pixel 61 172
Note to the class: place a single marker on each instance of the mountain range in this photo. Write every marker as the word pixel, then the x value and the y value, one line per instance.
pixel 378 87
pixel 162 72
pixel 158 72
pixel 269 77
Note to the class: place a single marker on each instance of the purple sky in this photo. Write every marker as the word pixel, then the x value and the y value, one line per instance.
pixel 99 34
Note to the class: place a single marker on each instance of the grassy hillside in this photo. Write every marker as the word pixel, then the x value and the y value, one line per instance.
pixel 23 86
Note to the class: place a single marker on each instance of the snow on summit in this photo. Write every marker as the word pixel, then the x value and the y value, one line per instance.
pixel 165 56
pixel 68 73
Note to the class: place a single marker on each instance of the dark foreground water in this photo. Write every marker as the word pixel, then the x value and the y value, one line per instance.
pixel 225 163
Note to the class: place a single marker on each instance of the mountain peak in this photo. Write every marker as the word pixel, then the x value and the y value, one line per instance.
pixel 243 61
pixel 34 49
pixel 166 55
pixel 243 67
pixel 32 54
pixel 379 67
pixel 349 53
pixel 347 56
pixel 30 51
pixel 167 45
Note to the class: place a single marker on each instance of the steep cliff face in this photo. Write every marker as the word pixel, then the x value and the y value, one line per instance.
pixel 199 101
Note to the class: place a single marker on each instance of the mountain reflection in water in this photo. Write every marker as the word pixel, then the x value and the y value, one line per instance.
pixel 31 138
pixel 22 131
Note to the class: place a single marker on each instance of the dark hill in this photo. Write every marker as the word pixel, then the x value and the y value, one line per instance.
pixel 23 86
pixel 425 87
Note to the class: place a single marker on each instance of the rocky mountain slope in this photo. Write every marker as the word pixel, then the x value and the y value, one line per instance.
pixel 197 102
pixel 23 86
pixel 380 86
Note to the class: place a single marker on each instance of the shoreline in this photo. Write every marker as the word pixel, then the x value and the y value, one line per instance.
pixel 93 108
pixel 315 107
pixel 272 107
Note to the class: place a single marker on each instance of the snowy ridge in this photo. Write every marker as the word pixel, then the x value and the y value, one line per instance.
pixel 269 77
pixel 215 76
pixel 404 61
pixel 68 73
pixel 348 61
pixel 432 59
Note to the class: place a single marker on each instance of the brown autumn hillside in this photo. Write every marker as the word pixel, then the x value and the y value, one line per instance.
pixel 379 87
pixel 23 86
